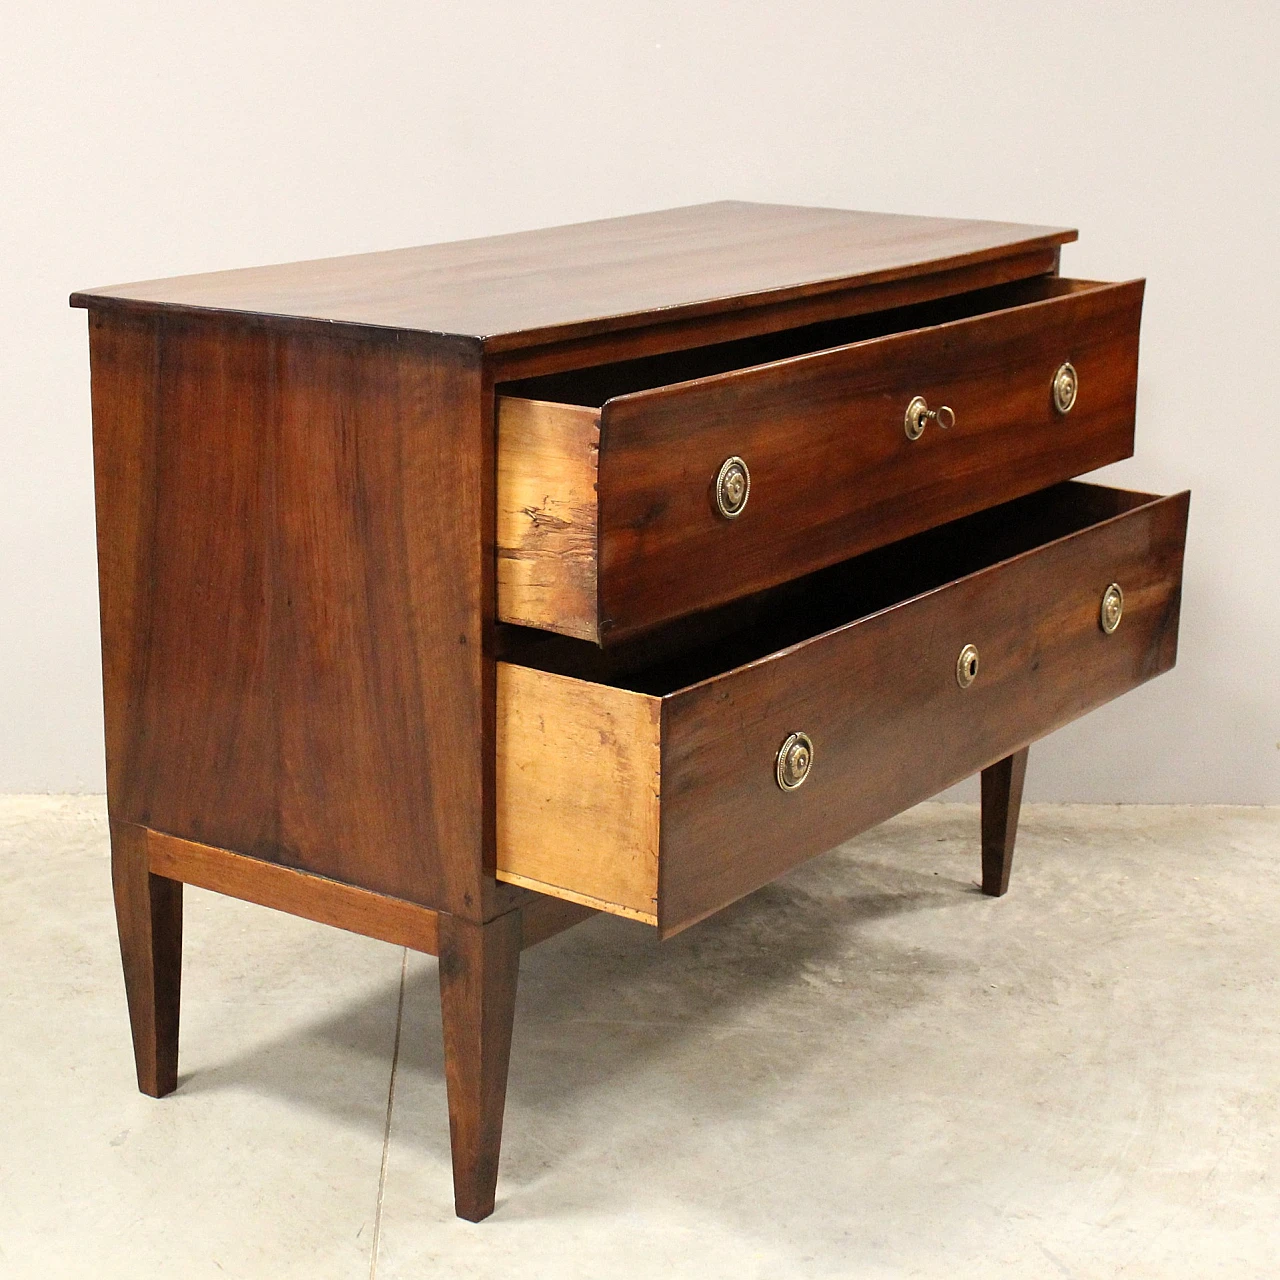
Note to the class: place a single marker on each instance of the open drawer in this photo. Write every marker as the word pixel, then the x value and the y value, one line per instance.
pixel 633 493
pixel 656 780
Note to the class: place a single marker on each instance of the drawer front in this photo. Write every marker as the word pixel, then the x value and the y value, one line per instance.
pixel 668 808
pixel 882 703
pixel 832 471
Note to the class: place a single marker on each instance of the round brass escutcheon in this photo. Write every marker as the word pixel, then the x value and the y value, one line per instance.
pixel 1065 385
pixel 1112 608
pixel 733 488
pixel 794 758
pixel 967 666
pixel 918 414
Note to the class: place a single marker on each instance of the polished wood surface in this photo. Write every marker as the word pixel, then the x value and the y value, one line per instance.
pixel 562 283
pixel 405 924
pixel 293 592
pixel 546 500
pixel 891 726
pixel 1001 805
pixel 320 484
pixel 877 694
pixel 149 922
pixel 479 966
pixel 660 334
pixel 577 790
pixel 832 471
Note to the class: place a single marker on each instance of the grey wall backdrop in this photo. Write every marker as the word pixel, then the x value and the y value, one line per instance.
pixel 148 139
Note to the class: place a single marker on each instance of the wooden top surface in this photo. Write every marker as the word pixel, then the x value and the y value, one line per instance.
pixel 533 287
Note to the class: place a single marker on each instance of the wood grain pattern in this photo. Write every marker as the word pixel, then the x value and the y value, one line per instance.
pixel 149 922
pixel 1001 805
pixel 479 967
pixel 311 510
pixel 697 330
pixel 577 790
pixel 546 501
pixel 562 283
pixel 404 924
pixel 294 578
pixel 832 472
pixel 125 357
pixel 890 725
pixel 877 694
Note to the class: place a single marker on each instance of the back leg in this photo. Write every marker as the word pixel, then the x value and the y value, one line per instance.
pixel 1001 802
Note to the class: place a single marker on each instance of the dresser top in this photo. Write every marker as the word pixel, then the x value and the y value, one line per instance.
pixel 534 287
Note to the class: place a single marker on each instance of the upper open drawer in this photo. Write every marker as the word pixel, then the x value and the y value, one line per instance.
pixel 633 493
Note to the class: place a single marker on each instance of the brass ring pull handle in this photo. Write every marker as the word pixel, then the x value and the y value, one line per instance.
pixel 1112 608
pixel 733 488
pixel 1066 385
pixel 794 758
pixel 918 414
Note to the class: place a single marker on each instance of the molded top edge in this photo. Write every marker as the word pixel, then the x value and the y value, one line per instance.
pixel 533 287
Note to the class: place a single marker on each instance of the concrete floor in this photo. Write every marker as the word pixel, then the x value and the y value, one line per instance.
pixel 865 1070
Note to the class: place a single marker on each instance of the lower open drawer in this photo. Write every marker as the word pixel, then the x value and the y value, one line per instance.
pixel 652 782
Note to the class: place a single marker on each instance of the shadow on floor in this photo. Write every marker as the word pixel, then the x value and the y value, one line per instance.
pixel 600 1003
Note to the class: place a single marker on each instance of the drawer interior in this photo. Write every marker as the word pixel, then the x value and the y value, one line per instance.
pixel 591 387
pixel 696 648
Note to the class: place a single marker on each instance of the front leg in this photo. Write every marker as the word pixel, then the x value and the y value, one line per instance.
pixel 149 920
pixel 1001 802
pixel 479 965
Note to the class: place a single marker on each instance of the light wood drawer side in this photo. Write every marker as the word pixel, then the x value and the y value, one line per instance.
pixel 578 772
pixel 547 459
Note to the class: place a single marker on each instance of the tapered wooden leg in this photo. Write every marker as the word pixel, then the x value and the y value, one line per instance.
pixel 149 920
pixel 479 965
pixel 1001 801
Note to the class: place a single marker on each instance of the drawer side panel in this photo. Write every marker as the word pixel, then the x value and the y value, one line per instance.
pixel 546 500
pixel 578 790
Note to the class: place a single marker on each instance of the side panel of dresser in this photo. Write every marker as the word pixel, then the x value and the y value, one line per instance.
pixel 292 567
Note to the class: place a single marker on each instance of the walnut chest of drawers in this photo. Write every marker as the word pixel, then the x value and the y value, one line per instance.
pixel 452 594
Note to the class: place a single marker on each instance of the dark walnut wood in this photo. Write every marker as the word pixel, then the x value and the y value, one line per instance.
pixel 300 893
pixel 833 473
pixel 536 287
pixel 149 921
pixel 479 965
pixel 862 658
pixel 404 924
pixel 296 484
pixel 291 538
pixel 889 722
pixel 1001 805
